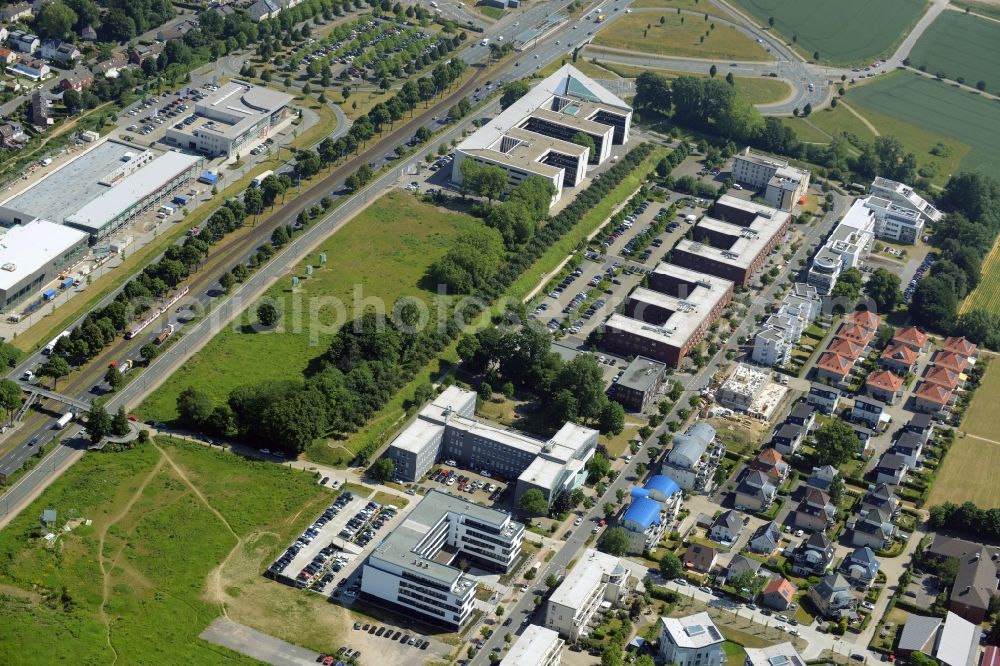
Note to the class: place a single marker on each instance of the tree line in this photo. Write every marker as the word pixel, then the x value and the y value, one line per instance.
pixel 967 519
pixel 964 238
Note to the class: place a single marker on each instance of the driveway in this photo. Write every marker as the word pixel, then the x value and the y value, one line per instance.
pixel 260 646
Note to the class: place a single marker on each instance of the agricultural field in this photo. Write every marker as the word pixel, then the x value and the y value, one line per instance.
pixel 980 418
pixel 936 107
pixel 164 538
pixel 757 89
pixel 986 295
pixel 845 32
pixel 981 7
pixel 961 45
pixel 382 254
pixel 674 38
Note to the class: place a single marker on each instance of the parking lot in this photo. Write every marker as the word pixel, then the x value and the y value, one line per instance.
pixel 482 487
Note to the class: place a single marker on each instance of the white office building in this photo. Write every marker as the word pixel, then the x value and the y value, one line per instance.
pixel 783 185
pixel 693 640
pixel 447 429
pixel 897 223
pixel 414 572
pixel 903 195
pixel 533 136
pixel 597 578
pixel 233 120
pixel 848 244
pixel 537 646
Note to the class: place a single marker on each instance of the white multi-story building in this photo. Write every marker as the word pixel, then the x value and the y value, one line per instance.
pixel 412 571
pixel 693 640
pixel 596 578
pixel 781 331
pixel 654 506
pixel 537 646
pixel 534 135
pixel 894 222
pixel 903 195
pixel 694 457
pixel 771 347
pixel 848 244
pixel 783 185
pixel 782 654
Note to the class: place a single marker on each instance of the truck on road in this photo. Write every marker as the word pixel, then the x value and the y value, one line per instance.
pixel 52 343
pixel 256 182
pixel 164 334
pixel 63 420
pixel 485 41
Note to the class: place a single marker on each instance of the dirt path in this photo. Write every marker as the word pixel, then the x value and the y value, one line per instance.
pixel 216 589
pixel 982 439
pixel 860 117
pixel 107 565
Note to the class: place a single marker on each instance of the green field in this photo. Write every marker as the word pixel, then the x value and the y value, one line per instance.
pixel 757 89
pixel 674 38
pixel 986 295
pixel 968 471
pixel 935 106
pixel 961 45
pixel 844 32
pixel 179 532
pixel 977 7
pixel 381 254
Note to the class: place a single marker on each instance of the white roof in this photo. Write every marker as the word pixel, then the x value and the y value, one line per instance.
pixel 584 578
pixel 532 647
pixel 782 654
pixel 130 190
pixel 418 435
pixel 959 642
pixel 26 248
pixel 692 631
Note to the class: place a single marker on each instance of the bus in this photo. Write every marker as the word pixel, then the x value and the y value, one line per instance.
pixel 64 420
pixel 260 179
pixel 52 344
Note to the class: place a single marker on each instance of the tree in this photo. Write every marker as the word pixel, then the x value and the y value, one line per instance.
pixel 98 423
pixel 114 378
pixel 513 91
pixel 533 503
pixel 485 391
pixel 268 314
pixel 227 281
pixel 563 503
pixel 585 140
pixel 981 327
pixel 194 406
pixel 609 510
pixel 612 421
pixel 730 79
pixel 148 352
pixel 935 304
pixel 836 443
pixel 119 423
pixel 383 470
pixel 10 398
pixel 747 584
pixel 652 91
pixel 671 566
pixel 615 541
pixel 9 354
pixel 597 468
pixel 920 659
pixel 712 71
pixel 883 288
pixel 551 581
pixel 770 21
pixel 836 490
pixel 56 368
pixel 55 20
pixel 848 285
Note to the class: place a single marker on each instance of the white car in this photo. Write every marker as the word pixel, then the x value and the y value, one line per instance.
pixel 578 521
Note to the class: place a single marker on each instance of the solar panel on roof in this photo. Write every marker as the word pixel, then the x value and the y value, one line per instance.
pixel 714 633
pixel 796 662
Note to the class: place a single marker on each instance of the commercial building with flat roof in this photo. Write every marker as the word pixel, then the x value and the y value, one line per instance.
pixel 846 246
pixel 533 136
pixel 536 646
pixel 783 185
pixel 233 120
pixel 447 429
pixel 103 189
pixel 668 321
pixel 733 241
pixel 34 254
pixel 411 570
pixel 596 578
pixel 640 382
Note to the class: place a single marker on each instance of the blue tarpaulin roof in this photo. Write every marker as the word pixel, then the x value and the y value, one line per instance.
pixel 663 484
pixel 643 511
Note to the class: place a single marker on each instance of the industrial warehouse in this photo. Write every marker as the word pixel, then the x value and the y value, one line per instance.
pixel 534 135
pixel 34 254
pixel 103 189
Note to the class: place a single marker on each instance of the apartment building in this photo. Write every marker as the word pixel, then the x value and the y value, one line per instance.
pixel 653 507
pixel 781 331
pixel 413 570
pixel 597 577
pixel 846 247
pixel 669 320
pixel 447 429
pixel 733 240
pixel 693 640
pixel 694 457
pixel 536 646
pixel 533 136
pixel 783 185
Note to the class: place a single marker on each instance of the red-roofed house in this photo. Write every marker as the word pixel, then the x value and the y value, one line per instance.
pixel 846 348
pixel 777 594
pixel 937 374
pixel 899 358
pixel 866 318
pixel 770 462
pixel 856 333
pixel 884 385
pixel 951 360
pixel 959 346
pixel 912 337
pixel 7 57
pixel 833 366
pixel 931 398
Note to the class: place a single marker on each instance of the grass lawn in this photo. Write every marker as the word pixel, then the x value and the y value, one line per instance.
pixel 844 32
pixel 805 130
pixel 540 270
pixel 961 45
pixel 735 653
pixel 757 89
pixel 178 531
pixel 618 445
pixel 381 254
pixel 680 39
pixel 590 69
pixel 932 106
pixel 967 474
pixel 979 417
pixel 986 295
pixel 494 13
